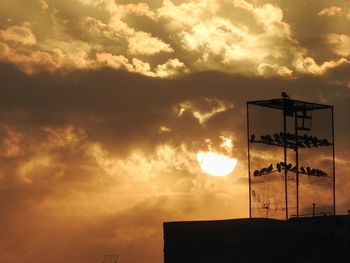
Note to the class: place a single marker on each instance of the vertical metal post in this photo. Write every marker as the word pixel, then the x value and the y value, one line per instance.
pixel 313 209
pixel 250 187
pixel 334 211
pixel 297 159
pixel 285 160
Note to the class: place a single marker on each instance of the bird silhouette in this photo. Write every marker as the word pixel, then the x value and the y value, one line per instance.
pixel 256 173
pixel 269 139
pixel 279 167
pixel 322 173
pixel 285 95
pixel 302 169
pixel 269 169
pixel 292 145
pixel 314 141
pixel 277 138
pixel 307 143
pixel 252 138
pixel 263 171
pixel 308 170
pixel 301 145
pixel 325 142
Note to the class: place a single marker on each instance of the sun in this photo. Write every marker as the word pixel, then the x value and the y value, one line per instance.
pixel 216 164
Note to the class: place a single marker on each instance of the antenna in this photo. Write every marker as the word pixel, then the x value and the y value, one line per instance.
pixel 297 159
pixel 110 259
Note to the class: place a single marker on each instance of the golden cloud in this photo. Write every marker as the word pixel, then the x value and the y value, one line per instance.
pixel 142 43
pixel 340 44
pixel 203 109
pixel 163 39
pixel 309 66
pixel 114 61
pixel 269 70
pixel 18 34
pixel 331 11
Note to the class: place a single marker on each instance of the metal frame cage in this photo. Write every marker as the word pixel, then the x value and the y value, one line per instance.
pixel 291 158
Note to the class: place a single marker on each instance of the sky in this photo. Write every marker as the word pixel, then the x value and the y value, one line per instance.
pixel 105 105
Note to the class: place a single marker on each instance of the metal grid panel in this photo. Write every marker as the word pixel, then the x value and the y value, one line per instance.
pixel 290 158
pixel 298 105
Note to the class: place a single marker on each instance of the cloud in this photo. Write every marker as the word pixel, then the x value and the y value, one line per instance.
pixel 171 68
pixel 114 61
pixel 29 62
pixel 226 44
pixel 96 26
pixel 340 44
pixel 18 34
pixel 44 5
pixel 269 70
pixel 50 55
pixel 309 66
pixel 72 54
pixel 242 37
pixel 139 9
pixel 142 43
pixel 331 11
pixel 203 109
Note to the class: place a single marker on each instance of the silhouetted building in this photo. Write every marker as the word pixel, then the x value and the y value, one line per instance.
pixel 310 239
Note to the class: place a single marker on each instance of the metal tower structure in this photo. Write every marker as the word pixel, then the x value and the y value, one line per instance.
pixel 291 158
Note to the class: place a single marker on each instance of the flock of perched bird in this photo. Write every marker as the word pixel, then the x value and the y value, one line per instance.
pixel 291 140
pixel 283 166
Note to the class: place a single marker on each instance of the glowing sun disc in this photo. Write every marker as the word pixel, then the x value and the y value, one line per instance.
pixel 215 164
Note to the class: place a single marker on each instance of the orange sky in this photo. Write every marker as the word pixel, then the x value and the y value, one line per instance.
pixel 105 104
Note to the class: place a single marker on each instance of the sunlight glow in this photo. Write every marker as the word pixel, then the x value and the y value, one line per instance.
pixel 215 164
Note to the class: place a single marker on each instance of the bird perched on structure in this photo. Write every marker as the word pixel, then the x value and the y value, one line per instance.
pixel 308 170
pixel 263 171
pixel 294 169
pixel 277 138
pixel 270 168
pixel 252 138
pixel 283 164
pixel 325 142
pixel 279 167
pixel 285 95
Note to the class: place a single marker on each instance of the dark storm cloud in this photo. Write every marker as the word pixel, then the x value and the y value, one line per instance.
pixel 122 110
